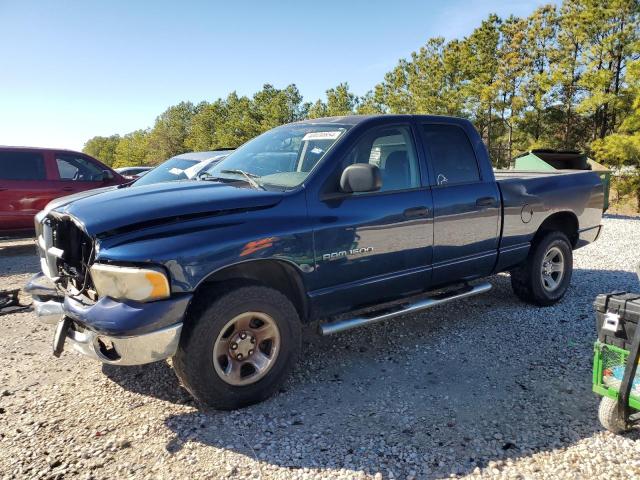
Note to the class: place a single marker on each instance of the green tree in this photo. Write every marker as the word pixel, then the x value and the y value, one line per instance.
pixel 170 131
pixel 622 149
pixel 537 84
pixel 317 110
pixel 512 67
pixel 340 101
pixel 232 121
pixel 454 78
pixel 566 69
pixel 394 92
pixel 239 122
pixel 102 148
pixel 431 82
pixel 480 89
pixel 204 125
pixel 370 105
pixel 611 31
pixel 274 107
pixel 133 150
pixel 425 77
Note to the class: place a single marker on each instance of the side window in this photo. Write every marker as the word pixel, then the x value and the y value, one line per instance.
pixel 22 166
pixel 78 168
pixel 391 149
pixel 452 156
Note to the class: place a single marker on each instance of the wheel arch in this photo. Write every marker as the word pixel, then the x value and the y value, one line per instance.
pixel 281 275
pixel 565 222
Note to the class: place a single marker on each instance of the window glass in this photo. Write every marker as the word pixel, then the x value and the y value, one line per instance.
pixel 22 166
pixel 283 157
pixel 391 150
pixel 452 157
pixel 78 168
pixel 173 169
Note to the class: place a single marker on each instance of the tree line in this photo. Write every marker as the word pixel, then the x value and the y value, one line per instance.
pixel 224 123
pixel 565 77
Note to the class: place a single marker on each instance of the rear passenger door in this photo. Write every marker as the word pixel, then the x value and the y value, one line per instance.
pixel 466 206
pixel 24 189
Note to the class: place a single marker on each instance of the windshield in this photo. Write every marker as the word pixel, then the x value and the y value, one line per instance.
pixel 282 157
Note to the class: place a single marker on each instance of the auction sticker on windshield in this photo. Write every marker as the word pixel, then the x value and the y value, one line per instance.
pixel 322 135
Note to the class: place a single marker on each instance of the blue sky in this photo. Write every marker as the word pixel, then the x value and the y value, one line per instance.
pixel 75 69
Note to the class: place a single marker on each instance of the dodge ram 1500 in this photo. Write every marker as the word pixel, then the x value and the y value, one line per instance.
pixel 382 214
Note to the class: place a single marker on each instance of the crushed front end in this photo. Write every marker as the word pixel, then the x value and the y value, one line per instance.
pixel 140 325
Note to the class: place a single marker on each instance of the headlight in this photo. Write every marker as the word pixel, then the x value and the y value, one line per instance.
pixel 129 283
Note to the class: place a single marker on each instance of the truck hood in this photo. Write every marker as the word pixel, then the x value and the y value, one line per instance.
pixel 56 203
pixel 132 208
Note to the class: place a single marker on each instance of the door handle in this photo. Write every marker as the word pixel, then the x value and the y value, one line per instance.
pixel 416 212
pixel 67 189
pixel 485 202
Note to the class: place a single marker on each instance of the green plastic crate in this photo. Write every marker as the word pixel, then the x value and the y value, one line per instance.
pixel 605 359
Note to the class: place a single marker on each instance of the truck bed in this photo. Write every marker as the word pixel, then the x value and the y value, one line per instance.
pixel 529 197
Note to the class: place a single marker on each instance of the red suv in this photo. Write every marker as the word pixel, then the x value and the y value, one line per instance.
pixel 32 177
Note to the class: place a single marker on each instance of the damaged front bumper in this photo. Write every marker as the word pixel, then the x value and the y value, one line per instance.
pixel 47 301
pixel 113 332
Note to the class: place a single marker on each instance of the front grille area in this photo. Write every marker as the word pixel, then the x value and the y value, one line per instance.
pixel 65 252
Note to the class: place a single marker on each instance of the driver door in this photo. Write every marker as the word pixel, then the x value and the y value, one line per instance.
pixel 76 174
pixel 375 246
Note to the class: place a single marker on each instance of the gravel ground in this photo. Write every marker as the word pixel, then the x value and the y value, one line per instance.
pixel 483 387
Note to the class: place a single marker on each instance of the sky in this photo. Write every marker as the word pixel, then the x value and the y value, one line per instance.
pixel 70 70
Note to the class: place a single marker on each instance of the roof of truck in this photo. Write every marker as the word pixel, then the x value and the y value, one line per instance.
pixel 357 119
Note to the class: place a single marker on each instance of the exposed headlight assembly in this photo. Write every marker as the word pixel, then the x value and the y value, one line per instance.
pixel 130 283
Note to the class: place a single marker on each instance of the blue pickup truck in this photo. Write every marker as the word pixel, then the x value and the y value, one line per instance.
pixel 340 221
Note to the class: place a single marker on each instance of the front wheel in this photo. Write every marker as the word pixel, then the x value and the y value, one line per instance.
pixel 544 278
pixel 237 349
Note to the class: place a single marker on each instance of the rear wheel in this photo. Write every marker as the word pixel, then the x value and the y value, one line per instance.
pixel 544 278
pixel 237 349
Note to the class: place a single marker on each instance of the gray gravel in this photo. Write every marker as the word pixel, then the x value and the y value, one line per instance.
pixel 484 387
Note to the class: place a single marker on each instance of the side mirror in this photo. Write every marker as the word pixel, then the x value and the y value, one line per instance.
pixel 360 177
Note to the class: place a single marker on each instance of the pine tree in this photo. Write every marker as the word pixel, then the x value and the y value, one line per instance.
pixel 480 90
pixel 537 84
pixel 512 67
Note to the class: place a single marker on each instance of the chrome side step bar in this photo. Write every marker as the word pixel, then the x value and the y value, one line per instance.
pixel 403 309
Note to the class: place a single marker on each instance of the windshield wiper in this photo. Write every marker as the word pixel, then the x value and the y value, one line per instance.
pixel 205 176
pixel 250 177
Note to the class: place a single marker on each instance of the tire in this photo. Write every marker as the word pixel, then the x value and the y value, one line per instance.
pixel 533 281
pixel 221 381
pixel 609 416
